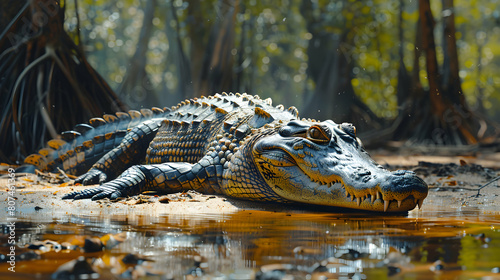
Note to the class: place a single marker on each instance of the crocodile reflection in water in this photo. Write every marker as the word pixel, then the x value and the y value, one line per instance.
pixel 248 241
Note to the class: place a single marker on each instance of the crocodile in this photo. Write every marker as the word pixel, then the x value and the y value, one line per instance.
pixel 237 145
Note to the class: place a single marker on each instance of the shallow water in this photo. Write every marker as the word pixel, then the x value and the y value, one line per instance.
pixel 429 244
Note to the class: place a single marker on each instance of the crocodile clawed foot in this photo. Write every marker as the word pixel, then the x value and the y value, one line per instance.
pixel 93 176
pixel 89 193
pixel 112 190
pixel 131 182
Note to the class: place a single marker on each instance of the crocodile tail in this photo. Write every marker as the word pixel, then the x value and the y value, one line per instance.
pixel 77 150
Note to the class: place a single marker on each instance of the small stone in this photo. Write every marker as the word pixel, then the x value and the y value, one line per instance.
pixel 93 244
pixel 164 200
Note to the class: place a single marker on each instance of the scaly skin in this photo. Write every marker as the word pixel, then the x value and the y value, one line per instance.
pixel 235 145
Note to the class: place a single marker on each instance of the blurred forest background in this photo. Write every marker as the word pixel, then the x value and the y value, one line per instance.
pixel 415 70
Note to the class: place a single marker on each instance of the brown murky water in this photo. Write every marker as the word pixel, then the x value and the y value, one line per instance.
pixel 429 244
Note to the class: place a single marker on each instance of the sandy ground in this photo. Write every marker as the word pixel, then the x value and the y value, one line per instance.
pixel 454 192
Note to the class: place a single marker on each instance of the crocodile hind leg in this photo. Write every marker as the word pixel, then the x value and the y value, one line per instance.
pixel 166 177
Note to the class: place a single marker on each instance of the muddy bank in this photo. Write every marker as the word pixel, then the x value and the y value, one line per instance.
pixel 453 183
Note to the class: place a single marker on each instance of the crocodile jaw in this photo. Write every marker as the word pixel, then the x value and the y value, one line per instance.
pixel 339 174
pixel 293 184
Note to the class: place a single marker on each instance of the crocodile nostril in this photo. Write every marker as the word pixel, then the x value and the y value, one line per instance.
pixel 363 172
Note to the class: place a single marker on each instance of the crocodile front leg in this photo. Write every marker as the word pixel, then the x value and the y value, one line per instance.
pixel 131 151
pixel 166 177
pixel 132 181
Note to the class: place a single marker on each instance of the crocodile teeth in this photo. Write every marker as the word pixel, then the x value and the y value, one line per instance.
pixel 358 200
pixel 378 195
pixel 399 203
pixel 386 205
pixel 373 198
pixel 420 201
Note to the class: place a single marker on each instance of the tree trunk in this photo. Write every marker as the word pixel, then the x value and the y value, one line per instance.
pixel 198 30
pixel 48 86
pixel 452 89
pixel 333 96
pixel 412 101
pixel 429 46
pixel 330 68
pixel 479 86
pixel 137 87
pixel 440 115
pixel 451 80
pixel 404 80
pixel 178 55
pixel 238 80
pixel 217 70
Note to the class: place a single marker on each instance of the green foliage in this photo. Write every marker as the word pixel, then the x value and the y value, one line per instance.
pixel 478 27
pixel 271 37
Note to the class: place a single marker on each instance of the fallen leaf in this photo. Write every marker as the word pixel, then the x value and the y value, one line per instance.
pixel 64 184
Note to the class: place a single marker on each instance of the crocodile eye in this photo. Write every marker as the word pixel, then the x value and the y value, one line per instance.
pixel 317 135
pixel 349 128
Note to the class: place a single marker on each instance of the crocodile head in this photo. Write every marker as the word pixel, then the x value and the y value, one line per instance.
pixel 324 163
